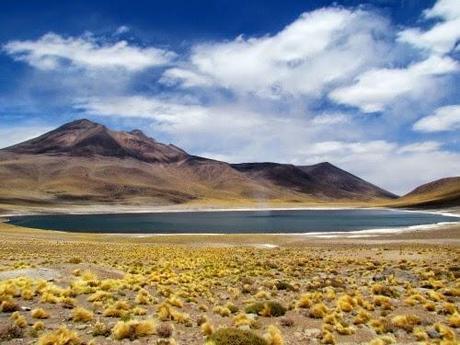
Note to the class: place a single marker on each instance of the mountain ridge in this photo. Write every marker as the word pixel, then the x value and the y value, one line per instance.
pixel 85 161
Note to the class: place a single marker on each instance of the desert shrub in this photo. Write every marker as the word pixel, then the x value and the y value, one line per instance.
pixel 165 330
pixel 143 297
pixel 454 320
pixel 282 285
pixel 18 319
pixel 9 306
pixel 10 331
pixel 38 326
pixel 382 340
pixel 222 311
pixel 406 322
pixel 274 336
pixel 61 336
pixel 133 329
pixel 139 311
pixel 446 333
pixel 234 336
pixel 39 313
pixel 381 289
pixel 232 307
pixel 262 295
pixel 207 328
pixel 420 334
pixel 68 303
pixel 287 322
pixel 346 303
pixel 100 329
pixel 362 317
pixel 318 310
pixel 74 260
pixel 270 308
pixel 81 315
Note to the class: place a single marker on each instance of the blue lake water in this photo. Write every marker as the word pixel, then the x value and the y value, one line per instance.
pixel 286 221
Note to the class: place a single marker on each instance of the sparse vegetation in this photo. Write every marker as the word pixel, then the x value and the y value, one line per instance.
pixel 167 294
pixel 233 336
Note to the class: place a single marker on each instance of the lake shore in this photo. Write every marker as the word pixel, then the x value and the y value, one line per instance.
pixel 428 234
pixel 441 233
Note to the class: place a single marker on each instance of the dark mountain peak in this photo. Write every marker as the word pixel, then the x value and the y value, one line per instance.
pixel 325 165
pixel 80 124
pixel 138 133
pixel 86 138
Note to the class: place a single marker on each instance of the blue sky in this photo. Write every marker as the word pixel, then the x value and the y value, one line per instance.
pixel 372 87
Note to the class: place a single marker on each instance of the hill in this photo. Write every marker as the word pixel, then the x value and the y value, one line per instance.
pixel 85 162
pixel 440 193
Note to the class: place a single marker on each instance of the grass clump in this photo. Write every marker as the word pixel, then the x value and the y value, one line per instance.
pixel 18 319
pixel 274 336
pixel 100 329
pixel 38 326
pixel 81 315
pixel 133 329
pixel 61 336
pixel 234 336
pixel 268 309
pixel 9 306
pixel 165 330
pixel 406 322
pixel 39 313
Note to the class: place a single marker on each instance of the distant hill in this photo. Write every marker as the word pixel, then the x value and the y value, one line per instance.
pixel 440 193
pixel 85 162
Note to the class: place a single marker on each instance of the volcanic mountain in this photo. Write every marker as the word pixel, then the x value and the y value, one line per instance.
pixel 85 162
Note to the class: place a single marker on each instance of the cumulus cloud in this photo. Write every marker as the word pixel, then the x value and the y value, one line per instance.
pixel 443 36
pixel 52 51
pixel 377 88
pixel 445 118
pixel 318 49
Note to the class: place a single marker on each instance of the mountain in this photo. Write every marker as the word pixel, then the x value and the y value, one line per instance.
pixel 440 193
pixel 323 180
pixel 86 138
pixel 85 162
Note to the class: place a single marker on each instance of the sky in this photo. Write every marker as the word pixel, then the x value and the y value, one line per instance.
pixel 370 86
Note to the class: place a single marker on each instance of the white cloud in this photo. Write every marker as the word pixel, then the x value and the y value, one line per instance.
pixel 445 118
pixel 327 119
pixel 425 146
pixel 52 51
pixel 320 48
pixel 444 35
pixel 377 88
pixel 122 30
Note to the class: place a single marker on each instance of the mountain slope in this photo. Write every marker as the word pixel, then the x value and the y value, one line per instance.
pixel 324 180
pixel 86 138
pixel 332 176
pixel 85 162
pixel 440 193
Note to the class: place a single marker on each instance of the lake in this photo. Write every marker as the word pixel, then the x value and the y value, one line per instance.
pixel 285 221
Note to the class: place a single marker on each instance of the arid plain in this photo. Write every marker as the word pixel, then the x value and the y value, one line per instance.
pixel 68 288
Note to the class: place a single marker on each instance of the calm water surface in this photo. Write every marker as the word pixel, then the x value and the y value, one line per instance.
pixel 292 221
